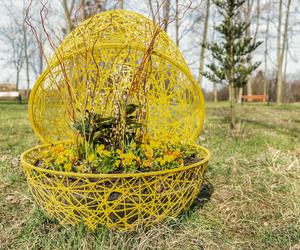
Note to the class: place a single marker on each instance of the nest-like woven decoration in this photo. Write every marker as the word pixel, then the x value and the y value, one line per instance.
pixel 93 64
pixel 120 201
pixel 102 55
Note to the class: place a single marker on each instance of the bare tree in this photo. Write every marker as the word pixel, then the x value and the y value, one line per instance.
pixel 86 9
pixel 248 16
pixel 202 48
pixel 266 52
pixel 68 10
pixel 26 48
pixel 121 4
pixel 281 48
pixel 37 60
pixel 19 41
pixel 166 14
pixel 182 25
pixel 12 37
pixel 215 91
pixel 177 23
pixel 90 8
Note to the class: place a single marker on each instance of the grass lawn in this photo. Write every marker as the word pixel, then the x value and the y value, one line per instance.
pixel 255 204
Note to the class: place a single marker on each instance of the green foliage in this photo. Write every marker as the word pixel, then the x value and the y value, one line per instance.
pixel 97 130
pixel 233 51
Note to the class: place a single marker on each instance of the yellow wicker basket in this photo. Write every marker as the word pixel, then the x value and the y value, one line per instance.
pixel 103 54
pixel 120 201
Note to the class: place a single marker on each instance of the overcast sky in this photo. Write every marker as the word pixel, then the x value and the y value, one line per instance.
pixel 189 45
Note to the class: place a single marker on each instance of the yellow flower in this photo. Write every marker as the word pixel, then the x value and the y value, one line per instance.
pixel 128 158
pixel 91 158
pixel 117 163
pixel 176 154
pixel 60 159
pixel 100 149
pixel 147 163
pixel 58 148
pixel 70 154
pixel 133 145
pixel 149 155
pixel 80 168
pixel 45 154
pixel 106 153
pixel 181 162
pixel 119 152
pixel 154 144
pixel 68 167
pixel 169 158
pixel 161 160
pixel 148 151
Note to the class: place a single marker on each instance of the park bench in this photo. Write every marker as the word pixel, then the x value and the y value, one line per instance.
pixel 11 95
pixel 262 98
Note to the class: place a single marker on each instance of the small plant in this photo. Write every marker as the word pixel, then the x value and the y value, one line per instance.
pixel 149 156
pixel 103 147
pixel 97 130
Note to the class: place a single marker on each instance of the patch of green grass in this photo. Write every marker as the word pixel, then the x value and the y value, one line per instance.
pixel 254 171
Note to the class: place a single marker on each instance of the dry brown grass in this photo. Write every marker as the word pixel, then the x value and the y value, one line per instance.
pixel 255 173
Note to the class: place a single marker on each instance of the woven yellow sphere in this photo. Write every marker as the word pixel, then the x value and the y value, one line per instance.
pixel 100 58
pixel 114 57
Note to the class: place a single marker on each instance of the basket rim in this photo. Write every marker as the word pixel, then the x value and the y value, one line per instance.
pixel 119 175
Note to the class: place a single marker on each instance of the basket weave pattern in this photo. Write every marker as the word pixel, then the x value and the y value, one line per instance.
pixel 103 54
pixel 120 201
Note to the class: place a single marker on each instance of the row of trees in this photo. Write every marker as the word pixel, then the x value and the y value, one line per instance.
pixel 190 23
pixel 263 20
pixel 291 91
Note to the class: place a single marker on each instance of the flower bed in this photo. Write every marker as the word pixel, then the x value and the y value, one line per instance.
pixel 121 201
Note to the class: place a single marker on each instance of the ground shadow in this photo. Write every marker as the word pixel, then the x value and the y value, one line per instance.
pixel 204 196
pixel 206 191
pixel 279 129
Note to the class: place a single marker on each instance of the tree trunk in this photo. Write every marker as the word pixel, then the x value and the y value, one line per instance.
pixel 284 83
pixel 231 76
pixel 17 80
pixel 257 20
pixel 83 14
pixel 232 106
pixel 40 52
pixel 240 93
pixel 121 4
pixel 202 50
pixel 166 13
pixel 177 23
pixel 279 31
pixel 26 59
pixel 249 86
pixel 279 75
pixel 265 90
pixel 281 53
pixel 248 34
pixel 41 63
pixel 69 24
pixel 215 92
